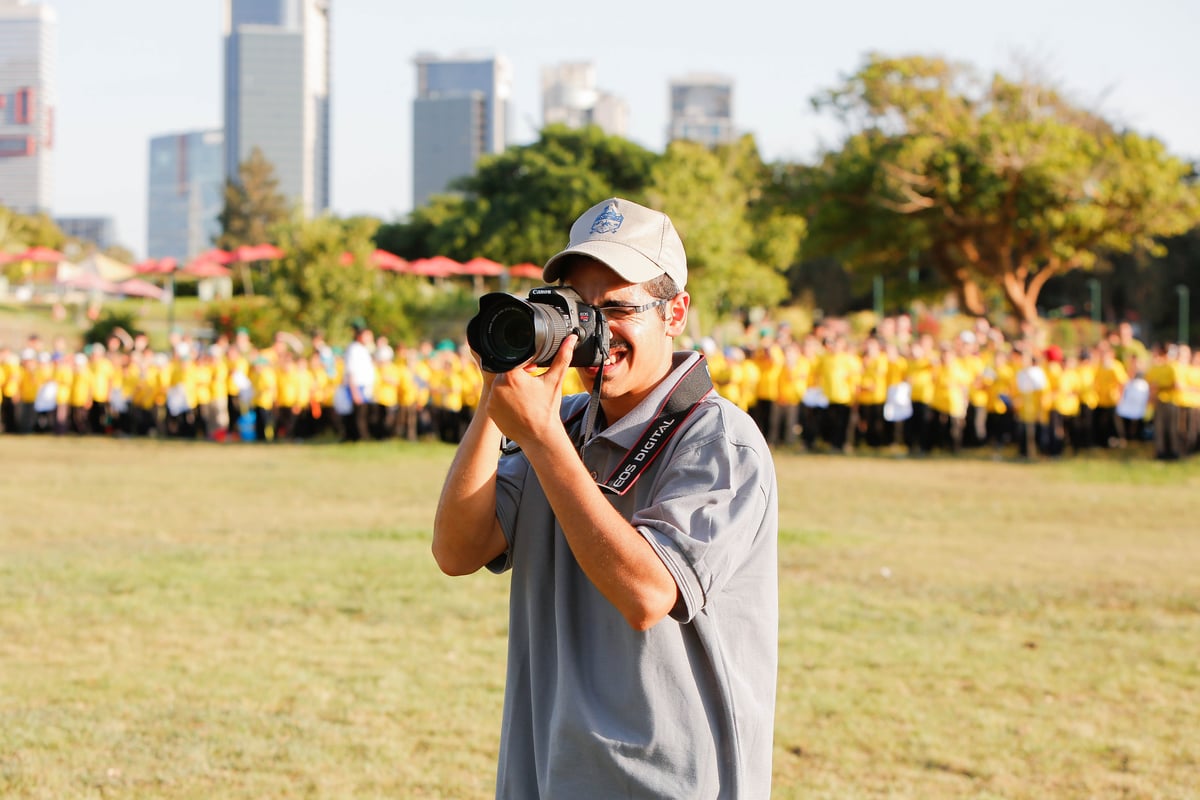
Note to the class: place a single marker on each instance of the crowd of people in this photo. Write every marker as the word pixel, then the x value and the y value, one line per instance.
pixel 893 389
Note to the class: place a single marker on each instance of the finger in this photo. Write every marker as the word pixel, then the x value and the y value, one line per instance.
pixel 562 359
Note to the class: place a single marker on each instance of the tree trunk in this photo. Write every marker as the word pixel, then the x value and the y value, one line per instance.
pixel 247 284
pixel 970 297
pixel 1022 300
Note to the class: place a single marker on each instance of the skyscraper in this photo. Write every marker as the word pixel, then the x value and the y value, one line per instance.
pixel 702 109
pixel 570 97
pixel 277 93
pixel 100 231
pixel 27 99
pixel 187 177
pixel 460 113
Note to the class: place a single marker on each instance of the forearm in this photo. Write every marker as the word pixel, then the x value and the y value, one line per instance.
pixel 616 558
pixel 466 533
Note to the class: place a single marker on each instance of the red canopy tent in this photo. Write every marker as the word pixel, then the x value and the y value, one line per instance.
pixel 45 255
pixel 482 266
pixel 216 255
pixel 435 267
pixel 526 270
pixel 136 287
pixel 200 268
pixel 256 252
pixel 381 259
pixel 156 266
pixel 390 261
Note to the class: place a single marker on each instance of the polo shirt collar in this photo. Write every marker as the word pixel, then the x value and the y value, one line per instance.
pixel 626 432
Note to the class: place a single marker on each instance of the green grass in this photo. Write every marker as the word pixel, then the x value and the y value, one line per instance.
pixel 193 621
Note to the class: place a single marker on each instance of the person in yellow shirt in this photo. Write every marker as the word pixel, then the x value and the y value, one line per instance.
pixel 872 393
pixel 81 394
pixel 840 375
pixel 951 391
pixel 1000 383
pixel 182 398
pixel 1110 379
pixel 1032 401
pixel 27 390
pixel 292 390
pixel 102 374
pixel 265 382
pixel 793 383
pixel 64 376
pixel 893 432
pixel 1064 423
pixel 1189 398
pixel 386 408
pixel 10 379
pixel 920 430
pixel 769 359
pixel 1165 377
pixel 1088 360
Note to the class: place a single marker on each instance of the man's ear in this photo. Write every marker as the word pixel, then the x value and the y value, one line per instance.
pixel 677 311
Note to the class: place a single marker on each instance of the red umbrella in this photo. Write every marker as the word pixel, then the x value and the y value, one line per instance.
pixel 46 254
pixel 215 255
pixel 526 270
pixel 390 261
pixel 256 252
pixel 435 267
pixel 482 266
pixel 136 287
pixel 201 268
pixel 156 266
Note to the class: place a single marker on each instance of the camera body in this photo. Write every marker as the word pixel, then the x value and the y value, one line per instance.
pixel 509 332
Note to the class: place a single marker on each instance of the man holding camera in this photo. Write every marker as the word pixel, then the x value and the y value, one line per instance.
pixel 640 527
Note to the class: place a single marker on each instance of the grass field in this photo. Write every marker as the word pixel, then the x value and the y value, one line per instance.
pixel 193 621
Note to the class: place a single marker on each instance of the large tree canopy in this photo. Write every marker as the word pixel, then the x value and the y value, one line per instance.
pixel 739 245
pixel 995 181
pixel 518 204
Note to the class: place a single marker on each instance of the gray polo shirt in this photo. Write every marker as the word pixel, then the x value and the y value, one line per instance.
pixel 593 708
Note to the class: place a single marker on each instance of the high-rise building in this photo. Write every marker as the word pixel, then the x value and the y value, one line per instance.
pixel 277 93
pixel 702 109
pixel 570 97
pixel 100 231
pixel 461 112
pixel 27 99
pixel 186 192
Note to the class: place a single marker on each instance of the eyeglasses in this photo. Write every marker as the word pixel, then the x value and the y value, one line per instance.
pixel 618 312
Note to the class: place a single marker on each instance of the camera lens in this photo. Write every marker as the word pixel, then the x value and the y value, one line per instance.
pixel 510 334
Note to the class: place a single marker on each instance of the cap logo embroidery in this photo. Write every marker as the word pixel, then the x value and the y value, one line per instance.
pixel 608 221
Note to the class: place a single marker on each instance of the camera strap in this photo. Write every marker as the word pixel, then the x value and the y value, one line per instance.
pixel 693 387
pixel 683 399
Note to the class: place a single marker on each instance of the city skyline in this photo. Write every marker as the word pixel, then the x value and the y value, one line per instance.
pixel 132 69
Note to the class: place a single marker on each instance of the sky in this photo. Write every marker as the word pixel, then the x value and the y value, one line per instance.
pixel 129 70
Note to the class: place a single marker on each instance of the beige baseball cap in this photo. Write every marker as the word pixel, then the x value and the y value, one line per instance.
pixel 636 242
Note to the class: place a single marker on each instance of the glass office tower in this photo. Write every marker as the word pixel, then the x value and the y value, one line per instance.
pixel 460 113
pixel 27 99
pixel 277 93
pixel 186 193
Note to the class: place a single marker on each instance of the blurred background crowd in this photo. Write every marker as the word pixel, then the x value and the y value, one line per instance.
pixel 893 390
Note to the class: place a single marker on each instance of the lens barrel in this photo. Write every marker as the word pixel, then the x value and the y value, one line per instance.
pixel 508 331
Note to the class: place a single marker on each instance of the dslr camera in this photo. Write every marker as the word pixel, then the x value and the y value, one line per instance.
pixel 508 331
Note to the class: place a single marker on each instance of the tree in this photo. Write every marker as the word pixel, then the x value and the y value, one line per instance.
pixel 21 231
pixel 739 243
pixel 253 207
pixel 311 284
pixel 997 182
pixel 519 204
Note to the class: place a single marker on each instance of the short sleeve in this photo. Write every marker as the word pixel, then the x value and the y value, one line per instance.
pixel 707 512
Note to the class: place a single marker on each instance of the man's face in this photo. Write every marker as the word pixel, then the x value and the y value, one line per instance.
pixel 641 347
